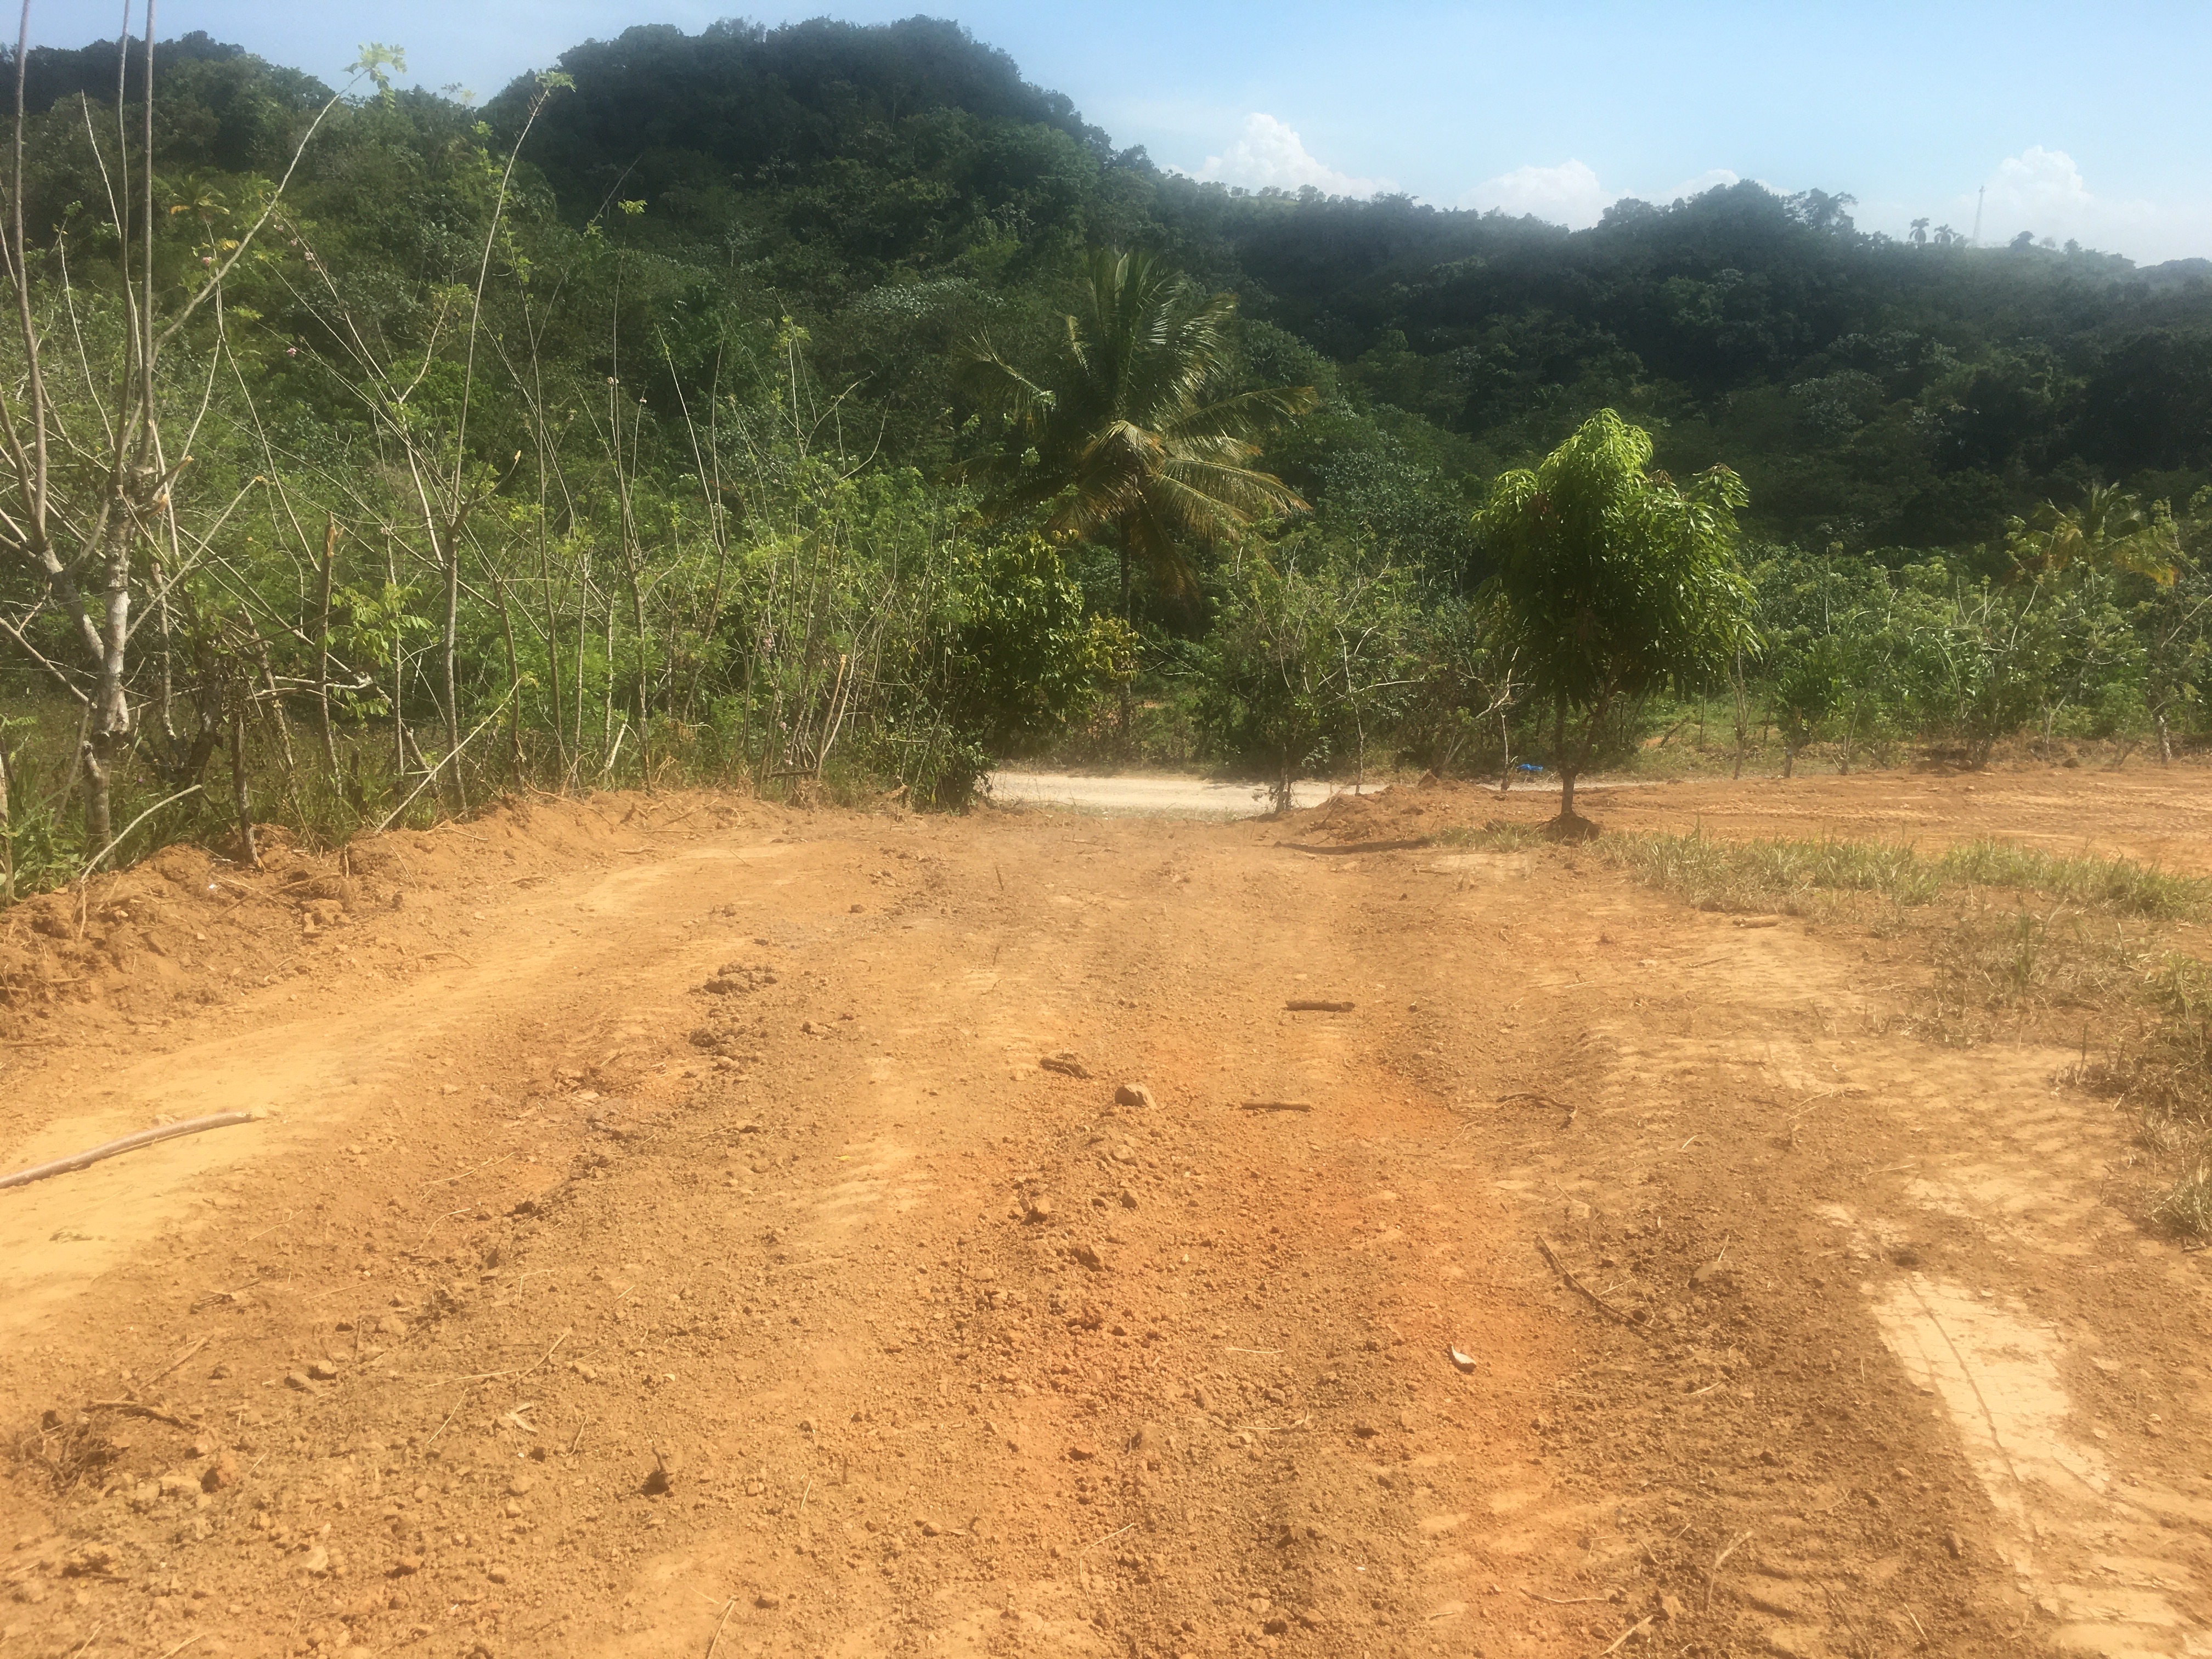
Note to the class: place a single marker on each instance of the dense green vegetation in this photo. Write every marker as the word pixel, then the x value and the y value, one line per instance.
pixel 767 404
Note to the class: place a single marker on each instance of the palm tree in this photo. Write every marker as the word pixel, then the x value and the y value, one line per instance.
pixel 2111 530
pixel 1131 427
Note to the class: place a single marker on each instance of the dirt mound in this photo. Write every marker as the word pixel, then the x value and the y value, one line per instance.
pixel 1400 812
pixel 188 929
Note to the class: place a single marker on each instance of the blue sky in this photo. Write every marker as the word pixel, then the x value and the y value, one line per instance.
pixel 2081 121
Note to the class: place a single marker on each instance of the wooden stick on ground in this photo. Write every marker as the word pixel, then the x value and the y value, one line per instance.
pixel 1591 1296
pixel 1640 1625
pixel 1309 1006
pixel 127 1143
pixel 180 1359
pixel 1278 1105
pixel 132 1408
pixel 715 1641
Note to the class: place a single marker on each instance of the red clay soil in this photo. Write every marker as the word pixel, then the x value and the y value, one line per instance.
pixel 689 1226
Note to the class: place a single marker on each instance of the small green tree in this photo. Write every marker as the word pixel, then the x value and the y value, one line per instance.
pixel 1614 579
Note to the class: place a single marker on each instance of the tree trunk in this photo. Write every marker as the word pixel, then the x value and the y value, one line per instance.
pixel 583 621
pixel 552 634
pixel 453 760
pixel 399 676
pixel 110 712
pixel 1562 759
pixel 275 697
pixel 513 685
pixel 240 802
pixel 637 627
pixel 1504 748
pixel 323 645
pixel 6 828
pixel 607 712
pixel 2165 741
pixel 98 749
pixel 1788 761
pixel 168 679
pixel 1129 685
pixel 1743 712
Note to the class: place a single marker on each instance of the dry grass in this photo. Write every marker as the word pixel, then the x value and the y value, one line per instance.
pixel 1765 875
pixel 2022 969
pixel 63 1451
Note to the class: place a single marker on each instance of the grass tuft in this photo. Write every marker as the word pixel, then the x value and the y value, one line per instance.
pixel 1495 836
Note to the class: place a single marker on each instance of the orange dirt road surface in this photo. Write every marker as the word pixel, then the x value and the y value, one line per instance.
pixel 689 1226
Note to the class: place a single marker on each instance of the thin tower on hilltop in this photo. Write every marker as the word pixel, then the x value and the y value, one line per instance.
pixel 1978 194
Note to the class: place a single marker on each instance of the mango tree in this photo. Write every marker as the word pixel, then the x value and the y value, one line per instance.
pixel 1613 580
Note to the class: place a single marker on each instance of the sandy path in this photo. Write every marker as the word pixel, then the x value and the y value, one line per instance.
pixel 1150 795
pixel 1185 795
pixel 703 1247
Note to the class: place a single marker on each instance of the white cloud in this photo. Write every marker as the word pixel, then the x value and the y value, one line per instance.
pixel 2043 192
pixel 1270 153
pixel 1568 194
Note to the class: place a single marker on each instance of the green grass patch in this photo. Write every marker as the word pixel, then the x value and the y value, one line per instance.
pixel 1771 874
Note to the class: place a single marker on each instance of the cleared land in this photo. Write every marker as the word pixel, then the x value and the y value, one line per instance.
pixel 666 1239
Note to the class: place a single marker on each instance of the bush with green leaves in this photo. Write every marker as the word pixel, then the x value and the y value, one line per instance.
pixel 1310 659
pixel 1007 658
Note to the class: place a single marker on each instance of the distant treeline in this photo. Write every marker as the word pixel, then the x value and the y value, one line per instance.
pixel 618 428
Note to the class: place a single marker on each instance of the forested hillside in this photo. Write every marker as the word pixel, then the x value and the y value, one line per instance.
pixel 1872 392
pixel 637 423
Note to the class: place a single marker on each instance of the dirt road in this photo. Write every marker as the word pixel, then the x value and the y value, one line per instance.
pixel 667 1240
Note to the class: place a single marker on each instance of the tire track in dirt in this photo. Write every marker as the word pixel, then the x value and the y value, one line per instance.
pixel 1772 1173
pixel 768 1289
